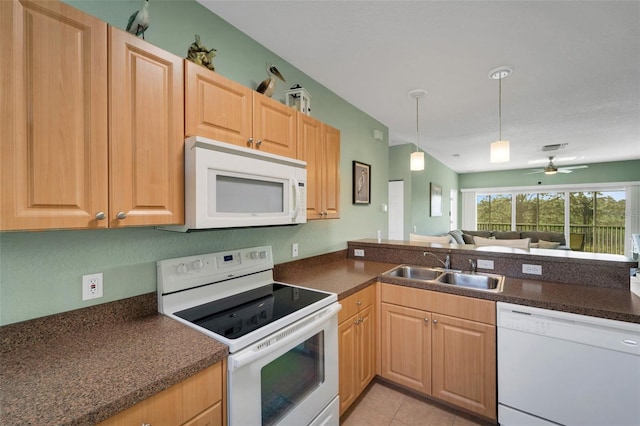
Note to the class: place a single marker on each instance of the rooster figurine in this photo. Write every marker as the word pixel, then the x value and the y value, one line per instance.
pixel 139 21
pixel 268 86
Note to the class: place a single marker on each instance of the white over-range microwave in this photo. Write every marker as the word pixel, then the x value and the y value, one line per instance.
pixel 228 186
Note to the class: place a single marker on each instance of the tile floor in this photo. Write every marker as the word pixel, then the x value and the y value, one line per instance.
pixel 384 405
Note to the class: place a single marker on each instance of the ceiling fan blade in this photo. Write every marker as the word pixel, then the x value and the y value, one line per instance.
pixel 534 172
pixel 576 167
pixel 564 170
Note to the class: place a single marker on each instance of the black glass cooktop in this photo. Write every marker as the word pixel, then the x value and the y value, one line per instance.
pixel 237 315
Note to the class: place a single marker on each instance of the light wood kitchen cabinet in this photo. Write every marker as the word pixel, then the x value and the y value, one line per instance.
pixel 90 140
pixel 464 364
pixel 53 117
pixel 319 146
pixel 223 110
pixel 356 345
pixel 196 401
pixel 146 143
pixel 440 344
pixel 406 346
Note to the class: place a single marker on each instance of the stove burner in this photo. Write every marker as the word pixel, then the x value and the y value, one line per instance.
pixel 242 313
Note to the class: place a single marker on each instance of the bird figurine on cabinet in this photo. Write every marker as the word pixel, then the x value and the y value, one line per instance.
pixel 199 54
pixel 139 20
pixel 268 86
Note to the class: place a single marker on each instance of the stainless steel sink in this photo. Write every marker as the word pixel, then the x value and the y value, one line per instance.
pixel 415 273
pixel 474 280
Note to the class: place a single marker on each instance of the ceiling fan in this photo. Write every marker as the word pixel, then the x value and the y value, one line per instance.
pixel 552 169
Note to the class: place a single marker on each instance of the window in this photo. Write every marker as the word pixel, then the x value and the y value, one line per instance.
pixel 600 218
pixel 591 220
pixel 540 212
pixel 494 212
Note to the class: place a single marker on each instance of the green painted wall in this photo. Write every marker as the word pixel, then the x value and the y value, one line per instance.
pixel 417 190
pixel 40 272
pixel 618 171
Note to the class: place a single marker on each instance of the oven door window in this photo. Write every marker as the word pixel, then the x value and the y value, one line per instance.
pixel 288 379
pixel 244 195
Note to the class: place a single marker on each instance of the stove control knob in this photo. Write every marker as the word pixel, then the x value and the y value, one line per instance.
pixel 198 264
pixel 263 254
pixel 254 255
pixel 182 269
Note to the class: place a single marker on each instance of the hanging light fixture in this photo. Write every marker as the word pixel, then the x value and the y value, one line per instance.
pixel 500 148
pixel 417 157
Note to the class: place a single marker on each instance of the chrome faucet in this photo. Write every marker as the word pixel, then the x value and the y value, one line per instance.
pixel 446 263
pixel 473 265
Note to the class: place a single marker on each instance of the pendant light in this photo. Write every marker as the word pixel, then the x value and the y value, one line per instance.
pixel 500 148
pixel 417 158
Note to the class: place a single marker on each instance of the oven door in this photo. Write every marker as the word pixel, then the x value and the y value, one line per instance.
pixel 290 377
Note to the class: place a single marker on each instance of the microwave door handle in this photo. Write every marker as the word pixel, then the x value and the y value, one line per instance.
pixel 296 208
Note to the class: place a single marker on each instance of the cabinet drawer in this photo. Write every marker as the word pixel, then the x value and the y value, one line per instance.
pixel 464 307
pixel 212 416
pixel 407 296
pixel 356 302
pixel 449 304
pixel 185 401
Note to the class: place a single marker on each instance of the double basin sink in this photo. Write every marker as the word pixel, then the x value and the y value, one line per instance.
pixel 472 280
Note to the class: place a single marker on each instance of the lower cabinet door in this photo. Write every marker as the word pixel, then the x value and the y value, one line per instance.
pixel 464 364
pixel 347 362
pixel 365 336
pixel 406 346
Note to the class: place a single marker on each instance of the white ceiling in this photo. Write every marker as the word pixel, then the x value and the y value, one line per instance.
pixel 576 76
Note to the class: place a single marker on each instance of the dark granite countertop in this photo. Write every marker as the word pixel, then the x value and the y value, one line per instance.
pixel 85 366
pixel 346 276
pixel 70 369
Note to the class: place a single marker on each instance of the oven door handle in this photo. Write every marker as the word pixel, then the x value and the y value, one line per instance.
pixel 282 338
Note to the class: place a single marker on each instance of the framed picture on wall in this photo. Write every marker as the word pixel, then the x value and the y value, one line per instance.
pixel 361 183
pixel 436 200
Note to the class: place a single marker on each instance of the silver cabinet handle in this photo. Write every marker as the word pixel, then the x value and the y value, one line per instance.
pixel 435 321
pixel 100 216
pixel 359 303
pixel 426 320
pixel 121 215
pixel 259 142
pixel 250 142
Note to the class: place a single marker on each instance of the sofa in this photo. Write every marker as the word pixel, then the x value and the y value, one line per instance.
pixel 538 239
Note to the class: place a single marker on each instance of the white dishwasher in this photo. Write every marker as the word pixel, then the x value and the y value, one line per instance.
pixel 568 369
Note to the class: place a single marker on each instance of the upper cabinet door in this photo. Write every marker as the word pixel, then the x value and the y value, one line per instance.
pixel 216 107
pixel 146 133
pixel 311 150
pixel 274 126
pixel 332 172
pixel 53 117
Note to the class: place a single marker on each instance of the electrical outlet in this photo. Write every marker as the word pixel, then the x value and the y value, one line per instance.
pixel 358 252
pixel 531 269
pixel 92 286
pixel 485 264
pixel 294 250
